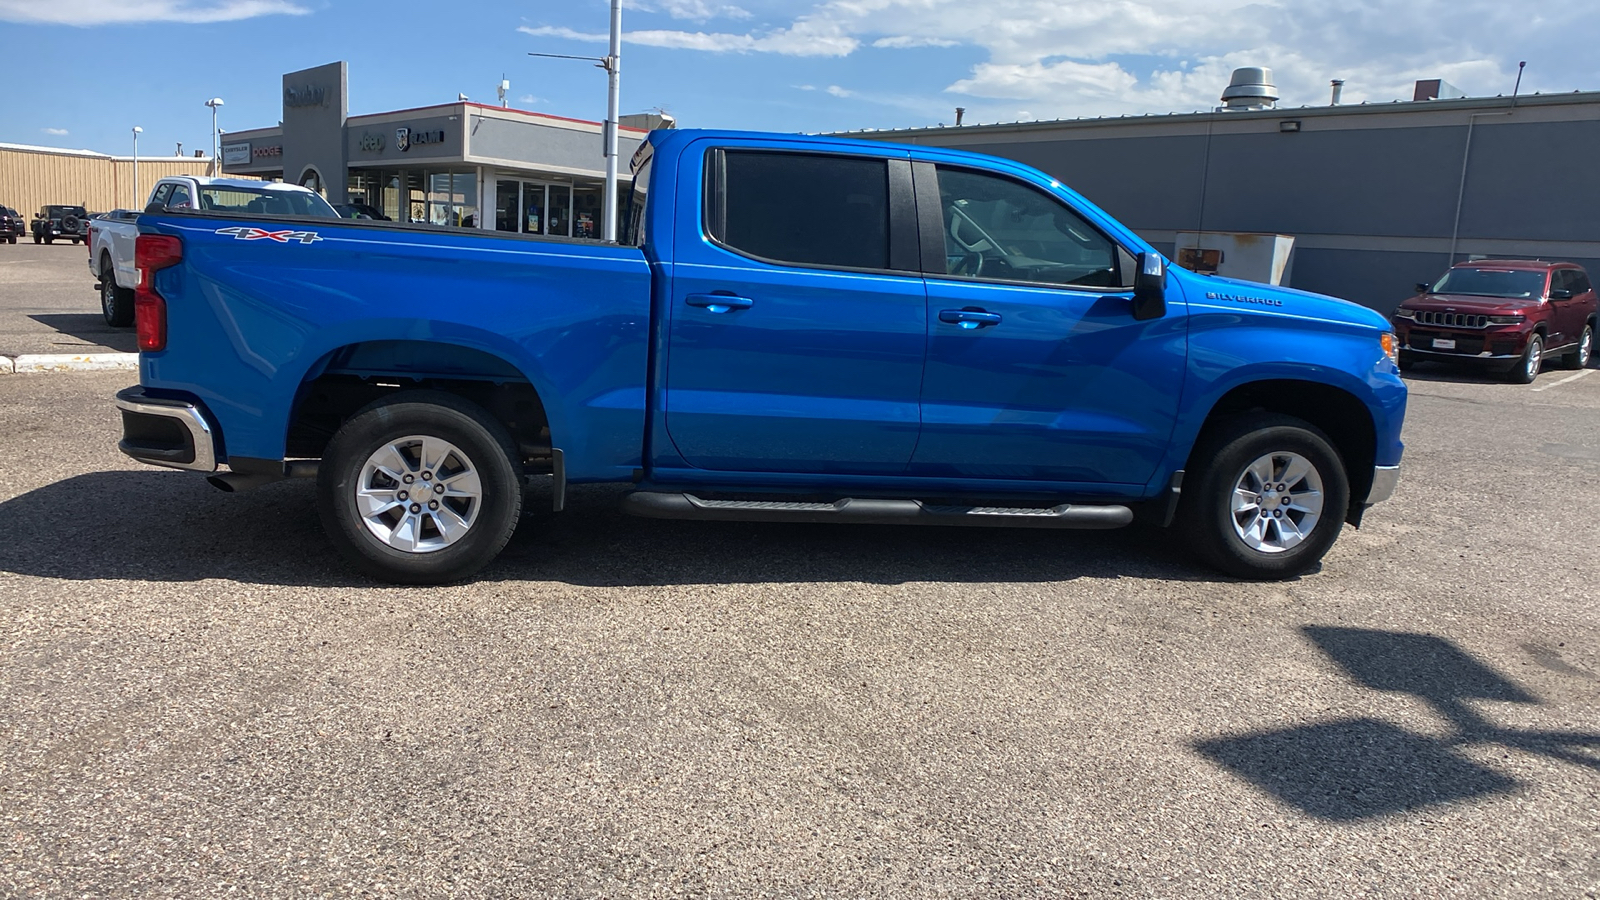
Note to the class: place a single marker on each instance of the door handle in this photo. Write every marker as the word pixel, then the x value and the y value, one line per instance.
pixel 969 318
pixel 719 303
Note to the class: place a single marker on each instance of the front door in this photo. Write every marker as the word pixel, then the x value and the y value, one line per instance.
pixel 798 326
pixel 1037 369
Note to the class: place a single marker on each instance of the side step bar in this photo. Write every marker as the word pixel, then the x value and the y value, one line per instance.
pixel 662 505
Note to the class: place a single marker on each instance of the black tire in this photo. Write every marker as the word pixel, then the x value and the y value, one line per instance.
pixel 1578 357
pixel 77 240
pixel 1217 464
pixel 483 439
pixel 1527 368
pixel 1407 361
pixel 36 239
pixel 116 303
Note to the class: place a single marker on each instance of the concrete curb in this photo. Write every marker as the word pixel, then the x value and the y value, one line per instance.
pixel 30 363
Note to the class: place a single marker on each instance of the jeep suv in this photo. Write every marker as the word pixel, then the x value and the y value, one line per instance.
pixel 1505 314
pixel 12 225
pixel 69 223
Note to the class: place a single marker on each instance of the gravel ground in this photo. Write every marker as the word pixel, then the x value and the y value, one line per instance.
pixel 48 303
pixel 198 699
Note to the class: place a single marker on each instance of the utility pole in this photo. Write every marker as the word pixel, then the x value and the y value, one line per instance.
pixel 136 132
pixel 612 63
pixel 216 162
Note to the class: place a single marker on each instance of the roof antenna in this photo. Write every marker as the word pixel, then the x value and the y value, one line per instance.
pixel 1518 86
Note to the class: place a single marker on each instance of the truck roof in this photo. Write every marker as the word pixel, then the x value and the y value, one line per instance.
pixel 1535 264
pixel 246 183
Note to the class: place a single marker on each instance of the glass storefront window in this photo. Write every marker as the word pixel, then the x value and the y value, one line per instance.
pixel 560 199
pixel 586 212
pixel 464 191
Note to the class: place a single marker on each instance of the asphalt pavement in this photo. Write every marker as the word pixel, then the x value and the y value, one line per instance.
pixel 198 698
pixel 48 303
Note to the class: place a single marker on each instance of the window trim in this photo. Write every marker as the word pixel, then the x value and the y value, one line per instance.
pixel 900 210
pixel 930 205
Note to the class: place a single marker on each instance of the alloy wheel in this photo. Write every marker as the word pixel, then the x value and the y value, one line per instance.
pixel 1277 502
pixel 419 494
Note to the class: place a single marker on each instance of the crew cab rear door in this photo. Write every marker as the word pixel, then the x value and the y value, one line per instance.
pixel 1037 369
pixel 797 318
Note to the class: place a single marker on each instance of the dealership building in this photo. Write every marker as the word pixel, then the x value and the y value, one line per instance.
pixel 1376 196
pixel 462 164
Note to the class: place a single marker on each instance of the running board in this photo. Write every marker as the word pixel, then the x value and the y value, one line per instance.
pixel 660 505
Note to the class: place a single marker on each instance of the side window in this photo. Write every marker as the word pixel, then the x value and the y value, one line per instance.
pixel 180 198
pixel 1558 280
pixel 1579 280
pixel 997 229
pixel 163 192
pixel 801 208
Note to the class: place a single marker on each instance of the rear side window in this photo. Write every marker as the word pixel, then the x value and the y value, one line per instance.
pixel 799 208
pixel 1579 281
pixel 162 193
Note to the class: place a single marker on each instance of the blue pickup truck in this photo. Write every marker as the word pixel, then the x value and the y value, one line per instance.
pixel 790 329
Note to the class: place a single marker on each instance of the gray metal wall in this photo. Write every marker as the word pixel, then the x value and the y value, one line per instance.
pixel 540 146
pixel 1371 200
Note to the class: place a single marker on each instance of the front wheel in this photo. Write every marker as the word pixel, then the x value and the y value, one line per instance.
pixel 1581 354
pixel 116 304
pixel 1407 361
pixel 420 488
pixel 1270 499
pixel 1527 368
pixel 36 239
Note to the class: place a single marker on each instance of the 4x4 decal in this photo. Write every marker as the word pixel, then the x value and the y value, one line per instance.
pixel 244 233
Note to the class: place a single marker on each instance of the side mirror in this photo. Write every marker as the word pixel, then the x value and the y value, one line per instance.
pixel 1560 294
pixel 1424 288
pixel 1150 288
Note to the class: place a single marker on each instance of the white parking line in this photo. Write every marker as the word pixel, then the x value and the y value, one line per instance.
pixel 1546 387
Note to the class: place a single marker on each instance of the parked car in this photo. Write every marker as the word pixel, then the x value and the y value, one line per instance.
pixel 793 328
pixel 111 237
pixel 68 223
pixel 360 211
pixel 1506 314
pixel 12 225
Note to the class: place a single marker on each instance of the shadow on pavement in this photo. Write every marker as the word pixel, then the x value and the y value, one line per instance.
pixel 1358 769
pixel 172 526
pixel 89 327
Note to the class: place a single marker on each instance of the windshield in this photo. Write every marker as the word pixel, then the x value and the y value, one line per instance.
pixel 1516 284
pixel 265 202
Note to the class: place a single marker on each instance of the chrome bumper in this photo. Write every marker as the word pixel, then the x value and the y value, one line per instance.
pixel 1384 478
pixel 195 449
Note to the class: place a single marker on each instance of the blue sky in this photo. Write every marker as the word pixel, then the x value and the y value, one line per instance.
pixel 808 66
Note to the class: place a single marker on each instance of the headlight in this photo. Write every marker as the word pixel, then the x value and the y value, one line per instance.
pixel 1507 320
pixel 1391 347
pixel 1403 313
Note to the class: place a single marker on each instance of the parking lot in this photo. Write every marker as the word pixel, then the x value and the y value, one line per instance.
pixel 200 700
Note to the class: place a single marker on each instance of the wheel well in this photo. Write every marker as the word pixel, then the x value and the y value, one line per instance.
pixel 1337 413
pixel 358 374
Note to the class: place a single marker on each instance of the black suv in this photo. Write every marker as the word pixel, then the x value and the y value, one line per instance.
pixel 70 223
pixel 12 225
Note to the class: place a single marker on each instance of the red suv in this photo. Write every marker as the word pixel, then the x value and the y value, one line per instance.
pixel 1505 313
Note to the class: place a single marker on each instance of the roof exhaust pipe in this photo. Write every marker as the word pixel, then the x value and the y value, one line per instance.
pixel 1338 88
pixel 961 111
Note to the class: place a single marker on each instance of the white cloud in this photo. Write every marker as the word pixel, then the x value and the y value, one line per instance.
pixel 55 132
pixel 529 100
pixel 122 12
pixel 693 10
pixel 837 91
pixel 1077 58
pixel 568 34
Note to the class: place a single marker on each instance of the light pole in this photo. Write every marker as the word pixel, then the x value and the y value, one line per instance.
pixel 136 132
pixel 612 63
pixel 216 164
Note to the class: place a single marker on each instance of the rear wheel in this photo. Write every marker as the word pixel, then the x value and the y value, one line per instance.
pixel 36 239
pixel 1270 499
pixel 1407 361
pixel 116 303
pixel 1527 368
pixel 420 488
pixel 1580 355
pixel 49 239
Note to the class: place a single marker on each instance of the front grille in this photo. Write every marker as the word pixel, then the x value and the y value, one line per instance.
pixel 1451 320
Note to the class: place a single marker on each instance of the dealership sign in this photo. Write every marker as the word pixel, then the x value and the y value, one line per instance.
pixel 372 143
pixel 236 154
pixel 405 138
pixel 309 95
pixel 263 152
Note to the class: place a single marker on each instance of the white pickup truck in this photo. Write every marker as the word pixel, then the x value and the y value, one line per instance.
pixel 111 237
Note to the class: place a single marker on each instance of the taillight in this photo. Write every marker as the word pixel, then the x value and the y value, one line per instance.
pixel 151 253
pixel 88 241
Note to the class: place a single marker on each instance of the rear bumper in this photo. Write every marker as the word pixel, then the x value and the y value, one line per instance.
pixel 163 432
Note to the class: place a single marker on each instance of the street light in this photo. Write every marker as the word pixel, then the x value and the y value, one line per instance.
pixel 136 132
pixel 612 63
pixel 216 164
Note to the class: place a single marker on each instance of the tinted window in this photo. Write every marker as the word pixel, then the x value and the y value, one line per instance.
pixel 997 229
pixel 232 198
pixel 1580 281
pixel 1510 283
pixel 799 208
pixel 162 193
pixel 180 198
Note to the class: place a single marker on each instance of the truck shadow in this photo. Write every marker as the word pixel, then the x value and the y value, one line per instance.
pixel 172 527
pixel 89 327
pixel 1355 769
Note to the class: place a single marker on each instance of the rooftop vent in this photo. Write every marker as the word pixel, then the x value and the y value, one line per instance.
pixel 1250 88
pixel 1436 89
